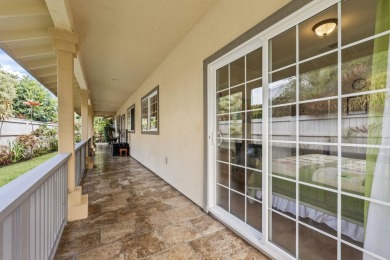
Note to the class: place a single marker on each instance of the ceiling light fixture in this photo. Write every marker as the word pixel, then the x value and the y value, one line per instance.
pixel 324 28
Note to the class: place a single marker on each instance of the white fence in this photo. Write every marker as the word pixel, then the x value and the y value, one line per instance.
pixel 13 127
pixel 33 211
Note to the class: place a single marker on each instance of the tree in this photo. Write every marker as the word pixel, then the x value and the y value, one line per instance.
pixel 103 128
pixel 77 128
pixel 28 88
pixel 31 104
pixel 7 94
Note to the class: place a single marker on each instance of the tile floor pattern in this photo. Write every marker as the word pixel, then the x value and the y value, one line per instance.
pixel 134 214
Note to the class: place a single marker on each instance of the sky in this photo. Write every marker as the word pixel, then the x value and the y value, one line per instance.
pixel 10 65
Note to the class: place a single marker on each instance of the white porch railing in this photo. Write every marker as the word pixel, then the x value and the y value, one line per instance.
pixel 33 211
pixel 80 154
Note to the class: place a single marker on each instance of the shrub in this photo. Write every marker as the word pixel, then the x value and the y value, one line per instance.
pixel 40 151
pixel 17 152
pixel 77 129
pixel 53 145
pixel 47 138
pixel 5 155
pixel 45 131
pixel 29 143
pixel 42 141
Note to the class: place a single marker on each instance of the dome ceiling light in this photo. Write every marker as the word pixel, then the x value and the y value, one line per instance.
pixel 324 28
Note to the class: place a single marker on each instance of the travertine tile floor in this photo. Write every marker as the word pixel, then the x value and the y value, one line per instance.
pixel 134 214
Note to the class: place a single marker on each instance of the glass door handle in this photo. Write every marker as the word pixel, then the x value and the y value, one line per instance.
pixel 220 136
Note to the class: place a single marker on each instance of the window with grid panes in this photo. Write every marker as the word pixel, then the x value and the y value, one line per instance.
pixel 149 112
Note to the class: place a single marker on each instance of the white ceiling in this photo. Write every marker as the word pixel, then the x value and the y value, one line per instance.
pixel 123 41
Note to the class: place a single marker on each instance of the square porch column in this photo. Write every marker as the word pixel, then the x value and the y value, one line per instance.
pixel 65 44
pixel 91 129
pixel 86 124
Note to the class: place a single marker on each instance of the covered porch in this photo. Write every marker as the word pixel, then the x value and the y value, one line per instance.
pixel 272 117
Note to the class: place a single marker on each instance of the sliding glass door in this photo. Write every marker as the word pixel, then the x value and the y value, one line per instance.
pixel 305 161
pixel 239 138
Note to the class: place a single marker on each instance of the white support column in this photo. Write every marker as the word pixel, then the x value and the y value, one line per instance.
pixel 93 129
pixel 90 122
pixel 65 44
pixel 85 124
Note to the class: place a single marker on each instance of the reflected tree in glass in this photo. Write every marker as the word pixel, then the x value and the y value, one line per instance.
pixel 318 81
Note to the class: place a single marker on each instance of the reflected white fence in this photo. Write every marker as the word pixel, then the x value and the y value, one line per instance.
pixel 312 129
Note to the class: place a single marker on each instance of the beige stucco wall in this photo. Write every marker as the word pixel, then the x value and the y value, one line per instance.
pixel 180 77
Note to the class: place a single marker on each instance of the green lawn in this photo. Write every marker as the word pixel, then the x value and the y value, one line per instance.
pixel 13 171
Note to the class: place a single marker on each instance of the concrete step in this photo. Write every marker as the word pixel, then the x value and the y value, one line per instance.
pixel 79 211
pixel 74 198
pixel 89 163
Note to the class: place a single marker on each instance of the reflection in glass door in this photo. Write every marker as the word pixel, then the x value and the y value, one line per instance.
pixel 322 188
pixel 328 140
pixel 239 138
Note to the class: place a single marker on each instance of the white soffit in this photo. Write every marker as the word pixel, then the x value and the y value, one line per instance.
pixel 78 72
pixel 63 19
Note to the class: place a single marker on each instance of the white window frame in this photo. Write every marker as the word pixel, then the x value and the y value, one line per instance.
pixel 117 124
pixel 154 92
pixel 130 112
